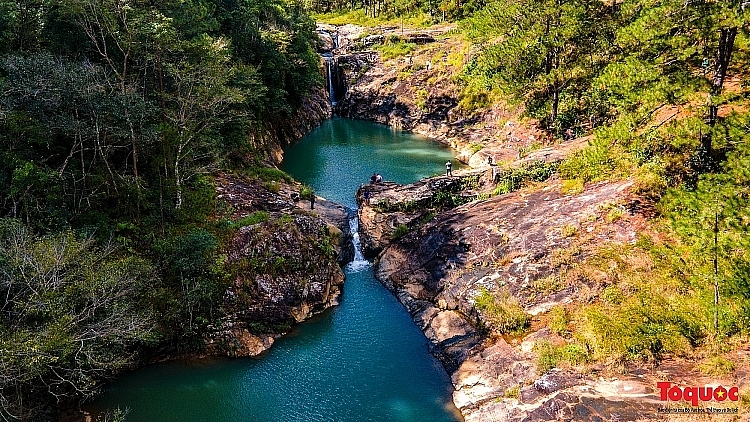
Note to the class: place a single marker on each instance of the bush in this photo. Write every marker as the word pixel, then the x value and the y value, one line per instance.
pixel 272 186
pixel 306 192
pixel 514 179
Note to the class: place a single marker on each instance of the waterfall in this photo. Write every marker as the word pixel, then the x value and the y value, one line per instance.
pixel 331 91
pixel 359 263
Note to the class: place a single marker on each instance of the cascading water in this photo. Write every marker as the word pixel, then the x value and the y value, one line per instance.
pixel 331 91
pixel 359 263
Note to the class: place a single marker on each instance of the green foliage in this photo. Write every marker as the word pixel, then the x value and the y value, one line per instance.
pixel 716 366
pixel 74 312
pixel 400 231
pixel 550 356
pixel 501 312
pixel 537 52
pixel 475 147
pixel 306 192
pixel 642 328
pixel 267 174
pixel 558 320
pixel 254 218
pixel 514 179
pixel 391 49
pixel 272 186
pixel 569 230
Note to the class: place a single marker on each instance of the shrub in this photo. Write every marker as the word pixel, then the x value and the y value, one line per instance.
pixel 272 186
pixel 306 192
pixel 569 230
pixel 400 231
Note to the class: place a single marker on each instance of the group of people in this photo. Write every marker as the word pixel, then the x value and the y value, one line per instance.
pixel 376 178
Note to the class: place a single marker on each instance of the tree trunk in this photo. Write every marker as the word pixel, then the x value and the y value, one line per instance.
pixel 723 55
pixel 555 103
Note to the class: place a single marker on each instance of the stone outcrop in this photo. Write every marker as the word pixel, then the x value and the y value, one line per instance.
pixel 385 208
pixel 285 262
pixel 283 130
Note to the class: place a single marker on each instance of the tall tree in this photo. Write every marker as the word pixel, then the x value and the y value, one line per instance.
pixel 536 50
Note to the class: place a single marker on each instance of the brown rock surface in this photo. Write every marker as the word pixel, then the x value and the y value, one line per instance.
pixel 285 265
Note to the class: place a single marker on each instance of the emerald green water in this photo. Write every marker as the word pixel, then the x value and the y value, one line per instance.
pixel 363 360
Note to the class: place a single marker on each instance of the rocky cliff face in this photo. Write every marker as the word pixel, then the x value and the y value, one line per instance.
pixel 285 262
pixel 510 244
pixel 284 130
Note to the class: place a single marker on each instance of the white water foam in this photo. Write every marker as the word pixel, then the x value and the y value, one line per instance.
pixel 359 263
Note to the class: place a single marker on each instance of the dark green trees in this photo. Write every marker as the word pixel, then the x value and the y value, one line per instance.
pixel 113 115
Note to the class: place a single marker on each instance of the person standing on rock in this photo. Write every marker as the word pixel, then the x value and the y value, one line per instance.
pixel 378 178
pixel 448 171
pixel 312 201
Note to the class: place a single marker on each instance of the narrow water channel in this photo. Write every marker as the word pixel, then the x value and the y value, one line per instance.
pixel 363 360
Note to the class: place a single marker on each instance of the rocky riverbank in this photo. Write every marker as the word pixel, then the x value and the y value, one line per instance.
pixel 515 246
pixel 507 243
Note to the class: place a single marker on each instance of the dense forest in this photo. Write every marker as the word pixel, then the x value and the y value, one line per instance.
pixel 113 115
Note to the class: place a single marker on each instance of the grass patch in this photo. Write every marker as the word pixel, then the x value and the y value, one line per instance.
pixel 268 174
pixel 558 320
pixel 550 356
pixel 569 230
pixel 512 392
pixel 548 284
pixel 475 147
pixel 502 313
pixel 716 366
pixel 254 218
pixel 572 186
pixel 272 186
pixel 391 49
